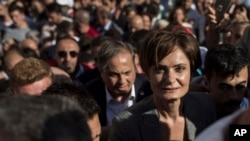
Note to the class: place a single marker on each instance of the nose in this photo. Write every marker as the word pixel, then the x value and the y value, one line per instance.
pixel 67 57
pixel 121 79
pixel 234 95
pixel 169 77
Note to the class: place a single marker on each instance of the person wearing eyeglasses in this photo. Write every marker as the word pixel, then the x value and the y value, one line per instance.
pixel 66 57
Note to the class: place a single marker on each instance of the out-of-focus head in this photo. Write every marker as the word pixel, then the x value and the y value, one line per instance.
pixel 136 23
pixel 84 99
pixel 17 14
pixel 187 4
pixel 37 6
pixel 177 15
pixel 234 32
pixel 29 43
pixel 30 76
pixel 76 93
pixel 26 118
pixel 115 62
pixel 110 4
pixel 11 58
pixel 54 12
pixel 66 126
pixel 60 75
pixel 147 19
pixel 66 54
pixel 103 15
pixel 226 70
pixel 82 17
pixel 65 28
pixel 130 13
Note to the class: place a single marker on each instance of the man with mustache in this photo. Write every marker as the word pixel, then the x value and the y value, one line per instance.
pixel 226 71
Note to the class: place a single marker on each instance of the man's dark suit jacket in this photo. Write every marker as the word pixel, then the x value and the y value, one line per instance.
pixel 113 27
pixel 97 89
pixel 89 77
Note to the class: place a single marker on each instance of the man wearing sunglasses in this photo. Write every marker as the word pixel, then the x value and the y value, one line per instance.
pixel 66 56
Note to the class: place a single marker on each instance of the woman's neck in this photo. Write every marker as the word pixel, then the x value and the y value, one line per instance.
pixel 171 109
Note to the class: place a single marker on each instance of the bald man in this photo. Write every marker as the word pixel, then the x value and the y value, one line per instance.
pixel 136 23
pixel 29 43
pixel 11 58
pixel 82 20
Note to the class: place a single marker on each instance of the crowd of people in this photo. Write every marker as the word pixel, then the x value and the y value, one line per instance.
pixel 123 70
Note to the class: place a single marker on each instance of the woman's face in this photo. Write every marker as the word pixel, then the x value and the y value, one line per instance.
pixel 170 79
pixel 179 16
pixel 146 21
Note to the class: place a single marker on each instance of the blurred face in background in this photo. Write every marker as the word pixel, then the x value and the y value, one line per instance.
pixel 146 21
pixel 136 23
pixel 54 18
pixel 66 55
pixel 17 17
pixel 179 15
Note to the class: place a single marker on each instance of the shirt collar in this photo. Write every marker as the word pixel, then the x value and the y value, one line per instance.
pixel 107 26
pixel 79 71
pixel 109 98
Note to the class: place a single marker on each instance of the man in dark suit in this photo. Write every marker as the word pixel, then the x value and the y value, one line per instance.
pixel 119 86
pixel 105 21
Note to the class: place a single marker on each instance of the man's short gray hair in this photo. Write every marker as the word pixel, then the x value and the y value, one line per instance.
pixel 109 49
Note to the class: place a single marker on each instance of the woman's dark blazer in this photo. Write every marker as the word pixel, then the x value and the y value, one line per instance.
pixel 141 121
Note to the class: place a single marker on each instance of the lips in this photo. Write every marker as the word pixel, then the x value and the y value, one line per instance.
pixel 170 90
pixel 121 88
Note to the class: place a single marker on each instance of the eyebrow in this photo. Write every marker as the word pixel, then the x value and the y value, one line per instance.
pixel 180 64
pixel 242 82
pixel 114 72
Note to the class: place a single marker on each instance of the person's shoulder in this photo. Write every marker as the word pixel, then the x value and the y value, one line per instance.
pixel 203 100
pixel 217 130
pixel 143 107
pixel 200 96
pixel 90 77
pixel 94 83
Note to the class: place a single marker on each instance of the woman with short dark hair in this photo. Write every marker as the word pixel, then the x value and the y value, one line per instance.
pixel 171 113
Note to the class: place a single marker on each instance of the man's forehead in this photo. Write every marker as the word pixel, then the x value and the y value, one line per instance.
pixel 230 80
pixel 118 70
pixel 67 44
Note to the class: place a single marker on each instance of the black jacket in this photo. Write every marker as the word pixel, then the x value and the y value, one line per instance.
pixel 97 89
